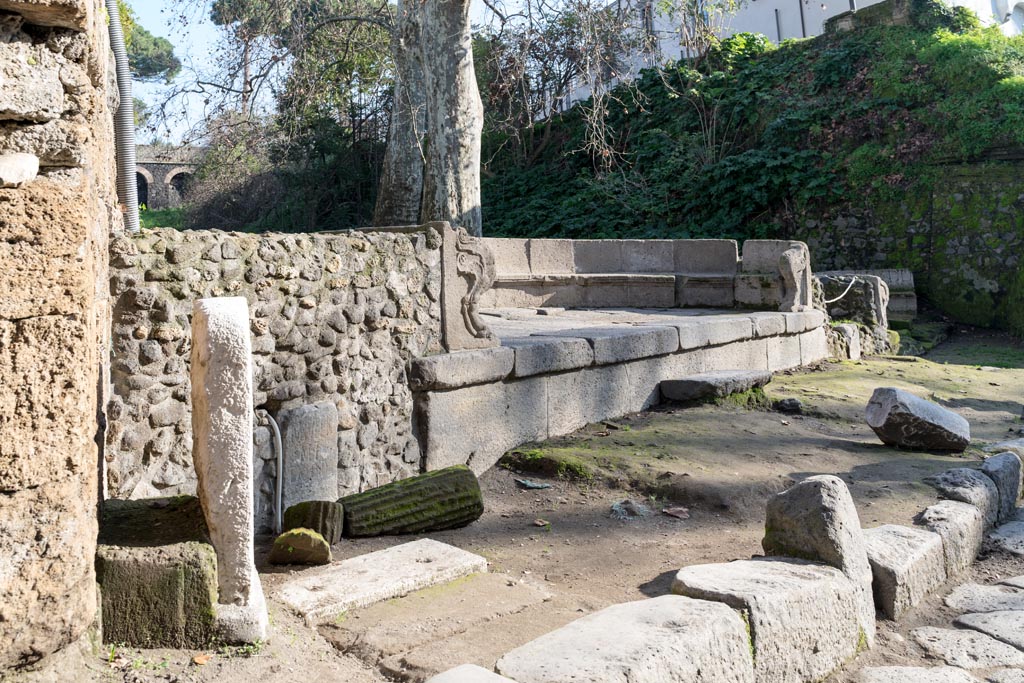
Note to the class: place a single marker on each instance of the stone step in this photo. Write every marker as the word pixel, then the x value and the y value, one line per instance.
pixel 803 616
pixel 907 564
pixel 323 595
pixel 669 638
pixel 714 384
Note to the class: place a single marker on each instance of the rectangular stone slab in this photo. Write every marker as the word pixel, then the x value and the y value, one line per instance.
pixel 1007 626
pixel 669 638
pixel 962 528
pixel 377 576
pixel 907 564
pixel 803 616
pixel 714 384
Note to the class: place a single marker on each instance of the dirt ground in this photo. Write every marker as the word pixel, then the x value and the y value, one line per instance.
pixel 558 553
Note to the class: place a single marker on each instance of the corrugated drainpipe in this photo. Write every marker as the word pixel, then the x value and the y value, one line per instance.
pixel 124 123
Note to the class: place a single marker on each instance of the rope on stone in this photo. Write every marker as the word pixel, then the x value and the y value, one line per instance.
pixel 854 281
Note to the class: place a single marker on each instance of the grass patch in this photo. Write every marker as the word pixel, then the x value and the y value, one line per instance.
pixel 162 218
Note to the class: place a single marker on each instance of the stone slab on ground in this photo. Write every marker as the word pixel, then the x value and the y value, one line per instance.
pixel 309 437
pixel 915 674
pixel 668 638
pixel 968 486
pixel 1005 470
pixel 966 649
pixel 1010 536
pixel 714 384
pixel 469 673
pixel 907 564
pixel 962 528
pixel 430 616
pixel 902 419
pixel 816 520
pixel 803 617
pixel 1007 626
pixel 973 597
pixel 381 575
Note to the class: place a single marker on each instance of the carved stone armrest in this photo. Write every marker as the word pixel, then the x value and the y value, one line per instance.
pixel 467 271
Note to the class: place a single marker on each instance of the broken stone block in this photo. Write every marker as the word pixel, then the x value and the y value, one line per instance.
pixel 803 616
pixel 300 546
pixel 816 520
pixel 668 638
pixel 157 572
pixel 325 517
pixel 901 419
pixel 222 424
pixel 468 673
pixel 1005 471
pixel 714 384
pixel 962 529
pixel 309 435
pixel 1007 626
pixel 907 564
pixel 968 486
pixel 966 649
pixel 377 576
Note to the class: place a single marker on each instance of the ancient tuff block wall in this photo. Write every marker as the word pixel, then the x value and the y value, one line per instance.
pixel 54 223
pixel 963 239
pixel 335 318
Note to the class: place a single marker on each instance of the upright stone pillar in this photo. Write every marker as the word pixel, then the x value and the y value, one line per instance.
pixel 222 426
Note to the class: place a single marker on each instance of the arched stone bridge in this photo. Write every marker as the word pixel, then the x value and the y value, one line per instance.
pixel 164 174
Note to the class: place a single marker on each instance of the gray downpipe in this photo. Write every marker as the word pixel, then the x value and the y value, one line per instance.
pixel 124 123
pixel 279 479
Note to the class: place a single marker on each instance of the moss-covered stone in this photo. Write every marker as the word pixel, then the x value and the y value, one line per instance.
pixel 300 546
pixel 325 517
pixel 157 573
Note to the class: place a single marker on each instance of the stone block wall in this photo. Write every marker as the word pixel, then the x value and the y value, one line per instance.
pixel 335 317
pixel 57 207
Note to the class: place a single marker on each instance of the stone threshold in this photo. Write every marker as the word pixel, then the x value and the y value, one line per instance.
pixel 558 370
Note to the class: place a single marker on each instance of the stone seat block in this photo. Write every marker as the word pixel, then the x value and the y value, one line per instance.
pixel 541 355
pixel 626 342
pixel 1005 472
pixel 907 564
pixel 157 573
pixel 461 368
pixel 803 616
pixel 668 638
pixel 962 529
pixel 714 384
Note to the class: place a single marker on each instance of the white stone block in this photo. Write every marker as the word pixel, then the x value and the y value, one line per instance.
pixel 461 368
pixel 915 674
pixel 324 594
pixel 813 346
pixel 907 563
pixel 551 257
pixel 966 649
pixel 511 256
pixel 1007 626
pixel 18 169
pixel 1005 472
pixel 626 342
pixel 725 330
pixel 469 673
pixel 648 256
pixel 576 399
pixel 706 257
pixel 803 617
pixel 962 528
pixel 222 450
pixel 542 355
pixel 598 256
pixel 669 638
pixel 783 352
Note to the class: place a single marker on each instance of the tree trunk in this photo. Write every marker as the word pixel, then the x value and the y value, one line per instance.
pixel 401 180
pixel 451 178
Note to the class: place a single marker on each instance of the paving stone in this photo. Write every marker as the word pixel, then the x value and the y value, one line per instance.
pixel 668 638
pixel 816 520
pixel 1007 626
pixel 902 419
pixel 381 575
pixel 626 342
pixel 1007 676
pixel 907 564
pixel 803 616
pixel 1013 581
pixel 1005 471
pixel 542 355
pixel 714 384
pixel 915 674
pixel 966 649
pixel 469 673
pixel 962 528
pixel 972 597
pixel 968 486
pixel 461 368
pixel 1010 536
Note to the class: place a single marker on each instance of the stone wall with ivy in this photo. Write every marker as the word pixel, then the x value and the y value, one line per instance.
pixel 334 317
pixel 961 232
